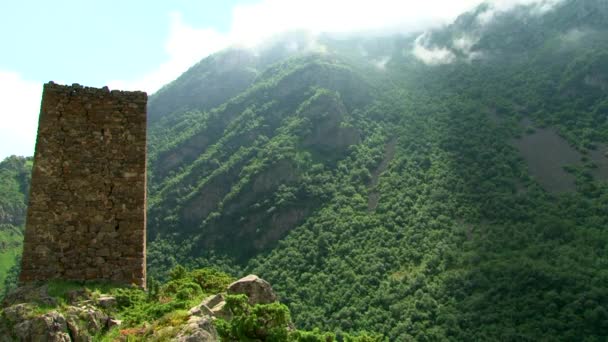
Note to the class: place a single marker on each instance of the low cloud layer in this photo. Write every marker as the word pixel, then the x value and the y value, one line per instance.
pixel 251 24
pixel 254 23
pixel 430 54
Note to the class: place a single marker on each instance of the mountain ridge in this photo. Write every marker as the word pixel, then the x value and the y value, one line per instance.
pixel 389 184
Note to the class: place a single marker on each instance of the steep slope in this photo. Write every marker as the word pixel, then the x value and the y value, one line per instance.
pixel 246 169
pixel 14 188
pixel 443 186
pixel 463 238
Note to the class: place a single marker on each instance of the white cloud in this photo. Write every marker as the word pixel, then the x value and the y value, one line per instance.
pixel 185 46
pixel 380 63
pixel 253 23
pixel 574 35
pixel 434 55
pixel 19 108
pixel 497 6
pixel 465 43
pixel 431 55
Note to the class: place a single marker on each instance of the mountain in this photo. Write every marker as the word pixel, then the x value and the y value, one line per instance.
pixel 15 173
pixel 446 185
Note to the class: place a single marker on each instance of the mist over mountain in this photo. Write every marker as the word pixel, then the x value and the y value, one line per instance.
pixel 439 185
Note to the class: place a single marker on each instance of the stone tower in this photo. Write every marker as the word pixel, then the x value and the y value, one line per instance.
pixel 87 213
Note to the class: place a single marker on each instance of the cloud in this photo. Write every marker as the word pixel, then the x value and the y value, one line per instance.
pixel 574 35
pixel 431 55
pixel 185 46
pixel 19 108
pixel 464 45
pixel 495 7
pixel 254 23
pixel 380 63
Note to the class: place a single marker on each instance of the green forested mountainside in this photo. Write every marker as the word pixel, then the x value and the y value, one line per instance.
pixel 462 199
pixel 14 188
pixel 380 193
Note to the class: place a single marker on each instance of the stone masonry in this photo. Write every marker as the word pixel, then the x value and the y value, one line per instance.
pixel 87 213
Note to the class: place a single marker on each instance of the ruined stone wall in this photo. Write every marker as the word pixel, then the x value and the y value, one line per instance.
pixel 86 217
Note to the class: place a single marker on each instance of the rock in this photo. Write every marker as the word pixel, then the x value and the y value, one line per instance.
pixel 50 327
pixel 22 330
pixel 78 322
pixel 204 307
pixel 106 302
pixel 79 295
pixel 220 311
pixel 257 289
pixel 198 329
pixel 212 301
pixel 28 294
pixel 86 321
pixel 18 313
pixel 114 323
pixel 76 332
pixel 200 310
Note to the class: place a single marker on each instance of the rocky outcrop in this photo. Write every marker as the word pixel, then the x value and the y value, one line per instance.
pixel 198 329
pixel 51 327
pixel 86 321
pixel 77 324
pixel 86 315
pixel 257 289
pixel 29 294
pixel 82 318
pixel 200 326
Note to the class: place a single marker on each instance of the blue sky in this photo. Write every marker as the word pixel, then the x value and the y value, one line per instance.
pixel 95 41
pixel 142 45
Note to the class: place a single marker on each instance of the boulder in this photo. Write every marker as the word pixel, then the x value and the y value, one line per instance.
pixel 106 302
pixel 220 311
pixel 204 308
pixel 198 329
pixel 29 293
pixel 213 300
pixel 50 327
pixel 85 321
pixel 257 289
pixel 18 313
pixel 114 323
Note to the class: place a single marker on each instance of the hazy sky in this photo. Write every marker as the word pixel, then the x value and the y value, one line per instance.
pixel 142 45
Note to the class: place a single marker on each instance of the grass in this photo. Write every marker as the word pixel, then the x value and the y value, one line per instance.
pixel 12 242
pixel 61 288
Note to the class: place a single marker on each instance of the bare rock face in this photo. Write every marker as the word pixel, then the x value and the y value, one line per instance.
pixel 257 289
pixel 50 327
pixel 198 329
pixel 29 293
pixel 76 323
pixel 85 321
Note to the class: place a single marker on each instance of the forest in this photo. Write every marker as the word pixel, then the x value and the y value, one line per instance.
pixel 381 188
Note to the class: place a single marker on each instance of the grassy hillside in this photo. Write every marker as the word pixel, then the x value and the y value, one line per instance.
pixel 14 188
